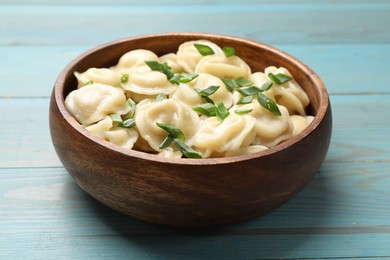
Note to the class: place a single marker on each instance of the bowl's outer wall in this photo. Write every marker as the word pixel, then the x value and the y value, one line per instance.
pixel 183 194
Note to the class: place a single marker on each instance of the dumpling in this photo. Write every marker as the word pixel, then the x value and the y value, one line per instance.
pixel 103 75
pixel 270 129
pixel 92 103
pixel 133 59
pixel 123 137
pixel 223 67
pixel 188 56
pixel 289 94
pixel 233 133
pixel 187 94
pixel 171 60
pixel 168 111
pixel 143 80
pixel 300 123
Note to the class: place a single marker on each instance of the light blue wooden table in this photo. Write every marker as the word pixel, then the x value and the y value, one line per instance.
pixel 343 213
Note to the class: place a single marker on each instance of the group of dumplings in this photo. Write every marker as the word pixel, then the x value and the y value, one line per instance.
pixel 102 92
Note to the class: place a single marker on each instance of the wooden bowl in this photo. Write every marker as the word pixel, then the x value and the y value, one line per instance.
pixel 190 193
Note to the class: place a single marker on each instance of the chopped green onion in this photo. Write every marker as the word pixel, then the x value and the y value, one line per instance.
pixel 229 51
pixel 248 91
pixel 245 100
pixel 154 65
pixel 182 78
pixel 266 86
pixel 242 111
pixel 185 150
pixel 167 141
pixel 221 111
pixel 207 91
pixel 230 84
pixel 161 97
pixel 116 118
pixel 268 104
pixel 204 49
pixel 128 123
pixel 188 77
pixel 207 109
pixel 89 82
pixel 163 68
pixel 279 78
pixel 132 104
pixel 173 131
pixel 243 82
pixel 124 78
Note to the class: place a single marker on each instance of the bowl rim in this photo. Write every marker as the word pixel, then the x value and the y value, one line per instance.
pixel 58 91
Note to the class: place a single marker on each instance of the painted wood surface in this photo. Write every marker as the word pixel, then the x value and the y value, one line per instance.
pixel 343 213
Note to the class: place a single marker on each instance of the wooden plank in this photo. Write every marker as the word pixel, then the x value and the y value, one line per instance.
pixel 31 70
pixel 25 139
pixel 290 23
pixel 339 214
pixel 350 3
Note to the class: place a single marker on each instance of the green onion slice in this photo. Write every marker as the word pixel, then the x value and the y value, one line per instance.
pixel 132 104
pixel 245 100
pixel 186 150
pixel 161 67
pixel 173 131
pixel 167 141
pixel 248 91
pixel 230 84
pixel 207 109
pixel 266 86
pixel 242 111
pixel 229 51
pixel 268 104
pixel 243 82
pixel 89 82
pixel 161 97
pixel 204 49
pixel 221 111
pixel 124 78
pixel 128 123
pixel 207 91
pixel 279 78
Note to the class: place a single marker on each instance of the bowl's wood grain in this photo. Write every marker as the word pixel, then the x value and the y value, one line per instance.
pixel 190 192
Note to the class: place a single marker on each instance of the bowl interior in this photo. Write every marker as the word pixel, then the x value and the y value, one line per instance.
pixel 257 55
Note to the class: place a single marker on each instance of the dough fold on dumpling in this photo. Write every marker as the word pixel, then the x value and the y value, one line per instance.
pixel 92 103
pixel 222 67
pixel 170 112
pixel 289 94
pixel 187 94
pixel 143 80
pixel 188 56
pixel 133 59
pixel 234 132
pixel 123 137
pixel 98 75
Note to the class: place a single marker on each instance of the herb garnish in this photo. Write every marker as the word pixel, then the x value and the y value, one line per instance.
pixel 248 90
pixel 242 111
pixel 89 82
pixel 161 97
pixel 279 78
pixel 204 49
pixel 229 51
pixel 207 109
pixel 268 104
pixel 117 119
pixel 176 136
pixel 221 111
pixel 174 78
pixel 124 78
pixel 205 93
